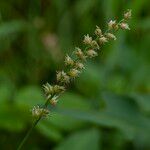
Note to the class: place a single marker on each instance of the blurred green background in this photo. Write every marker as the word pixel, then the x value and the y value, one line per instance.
pixel 107 108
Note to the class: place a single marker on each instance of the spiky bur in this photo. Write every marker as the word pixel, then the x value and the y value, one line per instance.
pixel 74 63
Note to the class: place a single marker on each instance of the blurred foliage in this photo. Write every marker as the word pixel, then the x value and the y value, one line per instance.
pixel 107 108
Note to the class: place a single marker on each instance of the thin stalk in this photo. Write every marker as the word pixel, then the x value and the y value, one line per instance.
pixel 28 133
pixel 34 124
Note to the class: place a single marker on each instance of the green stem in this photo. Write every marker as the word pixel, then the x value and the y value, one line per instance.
pixel 34 124
pixel 28 133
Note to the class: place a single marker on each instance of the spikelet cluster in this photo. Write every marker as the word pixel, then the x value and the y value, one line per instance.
pixel 74 63
pixel 38 111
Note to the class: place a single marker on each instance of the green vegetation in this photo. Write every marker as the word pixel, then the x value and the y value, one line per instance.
pixel 107 108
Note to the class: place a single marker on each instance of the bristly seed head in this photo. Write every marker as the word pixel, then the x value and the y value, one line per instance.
pixel 87 40
pixel 48 89
pixel 78 52
pixel 58 89
pixel 79 65
pixel 124 26
pixel 94 44
pixel 128 14
pixel 52 90
pixel 62 77
pixel 68 61
pixel 54 100
pixel 112 25
pixel 39 112
pixel 73 73
pixel 76 65
pixel 111 36
pixel 91 53
pixel 103 40
pixel 98 31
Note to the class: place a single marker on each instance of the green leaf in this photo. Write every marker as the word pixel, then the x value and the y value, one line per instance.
pixel 138 6
pixel 89 81
pixel 11 118
pixel 51 132
pixel 29 96
pixel 143 101
pixel 71 101
pixel 10 28
pixel 65 30
pixel 144 23
pixel 6 89
pixel 81 140
pixel 84 7
pixel 120 112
